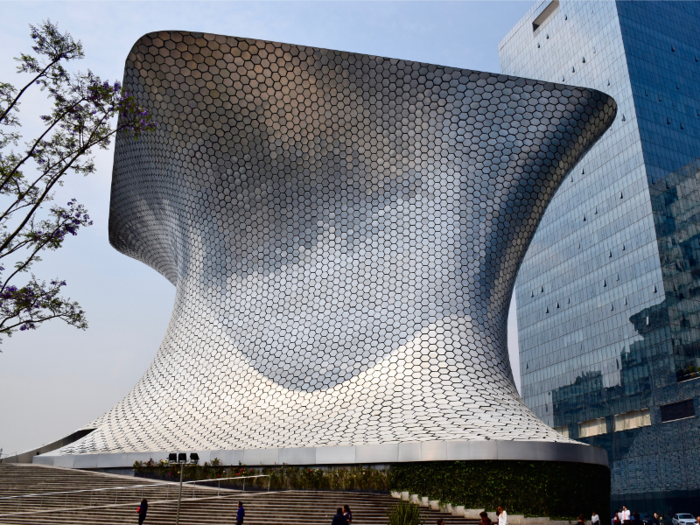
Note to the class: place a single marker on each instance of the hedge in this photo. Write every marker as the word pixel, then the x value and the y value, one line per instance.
pixel 533 488
pixel 284 477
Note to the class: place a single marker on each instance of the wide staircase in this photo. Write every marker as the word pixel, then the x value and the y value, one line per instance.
pixel 119 497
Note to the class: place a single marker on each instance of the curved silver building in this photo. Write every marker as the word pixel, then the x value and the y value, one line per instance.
pixel 344 232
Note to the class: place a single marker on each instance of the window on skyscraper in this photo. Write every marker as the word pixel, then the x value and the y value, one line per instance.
pixel 633 419
pixel 676 411
pixel 546 15
pixel 593 427
pixel 564 431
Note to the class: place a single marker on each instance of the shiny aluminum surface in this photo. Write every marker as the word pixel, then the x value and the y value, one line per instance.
pixel 344 233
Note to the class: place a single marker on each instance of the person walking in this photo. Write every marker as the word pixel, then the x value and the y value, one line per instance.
pixel 339 519
pixel 485 520
pixel 240 514
pixel 347 514
pixel 143 508
pixel 595 519
pixel 581 520
pixel 624 516
pixel 502 516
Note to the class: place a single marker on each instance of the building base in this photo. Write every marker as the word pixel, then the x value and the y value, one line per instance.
pixel 667 503
pixel 556 489
pixel 354 454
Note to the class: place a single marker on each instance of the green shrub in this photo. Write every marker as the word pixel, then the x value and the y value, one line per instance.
pixel 339 478
pixel 405 513
pixel 532 488
pixel 281 478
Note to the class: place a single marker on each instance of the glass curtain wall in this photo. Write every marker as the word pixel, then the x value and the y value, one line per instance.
pixel 607 297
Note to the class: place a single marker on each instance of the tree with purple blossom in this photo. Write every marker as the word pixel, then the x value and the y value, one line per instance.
pixel 83 107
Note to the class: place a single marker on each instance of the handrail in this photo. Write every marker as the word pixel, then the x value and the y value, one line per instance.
pixel 269 480
pixel 132 487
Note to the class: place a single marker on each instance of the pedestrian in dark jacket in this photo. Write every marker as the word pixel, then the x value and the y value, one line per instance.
pixel 339 519
pixel 485 520
pixel 581 520
pixel 240 514
pixel 347 514
pixel 143 508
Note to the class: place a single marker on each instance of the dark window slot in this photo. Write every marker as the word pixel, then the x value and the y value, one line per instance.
pixel 675 411
pixel 545 15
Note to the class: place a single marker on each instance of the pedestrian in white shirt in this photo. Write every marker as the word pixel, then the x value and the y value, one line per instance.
pixel 624 515
pixel 502 516
pixel 595 519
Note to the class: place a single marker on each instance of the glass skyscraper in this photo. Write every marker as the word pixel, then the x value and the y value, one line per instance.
pixel 608 297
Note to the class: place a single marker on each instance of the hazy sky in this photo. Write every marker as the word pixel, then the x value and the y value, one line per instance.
pixel 57 379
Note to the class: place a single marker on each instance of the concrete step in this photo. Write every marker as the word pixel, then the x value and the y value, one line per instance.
pixel 201 506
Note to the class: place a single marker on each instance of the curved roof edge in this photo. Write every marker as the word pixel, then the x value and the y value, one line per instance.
pixel 357 454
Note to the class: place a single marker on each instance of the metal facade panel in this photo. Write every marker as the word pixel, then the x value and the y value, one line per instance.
pixel 386 453
pixel 344 232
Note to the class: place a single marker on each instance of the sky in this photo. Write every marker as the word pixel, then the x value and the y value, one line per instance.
pixel 57 379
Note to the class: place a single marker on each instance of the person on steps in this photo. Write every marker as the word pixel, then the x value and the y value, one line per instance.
pixel 240 514
pixel 624 516
pixel 339 519
pixel 485 520
pixel 502 516
pixel 347 514
pixel 143 508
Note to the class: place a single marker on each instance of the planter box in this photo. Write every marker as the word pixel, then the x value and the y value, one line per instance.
pixel 535 521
